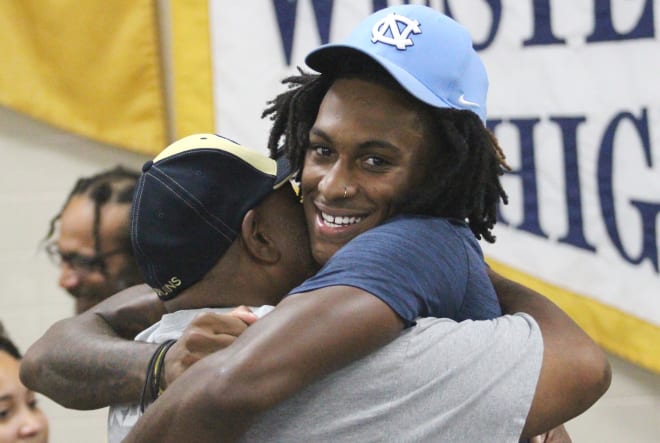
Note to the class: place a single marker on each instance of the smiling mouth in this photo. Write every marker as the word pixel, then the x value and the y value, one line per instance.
pixel 339 221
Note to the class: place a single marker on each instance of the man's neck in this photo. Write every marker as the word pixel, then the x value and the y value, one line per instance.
pixel 231 292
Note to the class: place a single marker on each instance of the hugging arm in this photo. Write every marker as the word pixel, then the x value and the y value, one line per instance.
pixel 308 336
pixel 312 334
pixel 90 360
pixel 575 372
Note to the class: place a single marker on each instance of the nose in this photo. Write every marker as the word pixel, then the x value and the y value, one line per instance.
pixel 69 278
pixel 336 181
pixel 33 424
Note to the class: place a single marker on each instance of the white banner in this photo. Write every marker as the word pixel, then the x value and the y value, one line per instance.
pixel 575 102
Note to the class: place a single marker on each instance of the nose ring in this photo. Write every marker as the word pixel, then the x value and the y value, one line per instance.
pixel 345 191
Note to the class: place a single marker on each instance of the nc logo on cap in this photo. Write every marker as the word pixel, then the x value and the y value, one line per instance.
pixel 390 25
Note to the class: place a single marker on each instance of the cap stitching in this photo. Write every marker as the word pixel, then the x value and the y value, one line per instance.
pixel 206 216
pixel 149 267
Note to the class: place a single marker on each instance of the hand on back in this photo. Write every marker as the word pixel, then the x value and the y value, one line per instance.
pixel 207 333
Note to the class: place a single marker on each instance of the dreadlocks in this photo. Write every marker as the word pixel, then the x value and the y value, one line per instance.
pixel 114 185
pixel 465 161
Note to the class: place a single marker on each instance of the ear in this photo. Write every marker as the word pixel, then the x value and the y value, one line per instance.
pixel 258 240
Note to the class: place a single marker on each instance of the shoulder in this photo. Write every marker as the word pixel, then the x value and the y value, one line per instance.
pixel 519 328
pixel 421 223
pixel 403 241
pixel 509 344
pixel 411 230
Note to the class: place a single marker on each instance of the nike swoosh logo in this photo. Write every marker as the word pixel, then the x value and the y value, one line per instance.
pixel 465 102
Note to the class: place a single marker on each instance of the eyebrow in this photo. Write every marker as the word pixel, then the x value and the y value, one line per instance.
pixel 364 145
pixel 320 133
pixel 5 397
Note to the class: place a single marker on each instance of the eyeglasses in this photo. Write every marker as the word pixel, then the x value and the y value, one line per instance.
pixel 81 262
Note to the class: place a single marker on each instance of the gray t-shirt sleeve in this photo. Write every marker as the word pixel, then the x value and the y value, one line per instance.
pixel 439 381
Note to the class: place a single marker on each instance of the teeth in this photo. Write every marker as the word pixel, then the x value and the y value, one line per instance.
pixel 337 222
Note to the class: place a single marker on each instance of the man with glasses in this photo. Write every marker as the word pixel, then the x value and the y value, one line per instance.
pixel 89 238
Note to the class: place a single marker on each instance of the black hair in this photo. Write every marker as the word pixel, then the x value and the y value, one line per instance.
pixel 115 185
pixel 7 345
pixel 462 176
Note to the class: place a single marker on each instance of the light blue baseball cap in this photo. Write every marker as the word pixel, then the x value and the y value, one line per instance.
pixel 427 52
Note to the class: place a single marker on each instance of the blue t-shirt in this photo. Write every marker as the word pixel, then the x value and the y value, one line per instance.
pixel 420 266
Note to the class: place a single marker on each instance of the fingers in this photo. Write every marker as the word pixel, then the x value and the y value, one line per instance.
pixel 218 323
pixel 556 435
pixel 207 333
pixel 245 314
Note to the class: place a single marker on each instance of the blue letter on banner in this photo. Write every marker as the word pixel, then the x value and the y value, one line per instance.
pixel 575 235
pixel 285 11
pixel 604 29
pixel 648 211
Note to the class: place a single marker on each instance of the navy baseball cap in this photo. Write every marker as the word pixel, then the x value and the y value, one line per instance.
pixel 189 205
pixel 429 54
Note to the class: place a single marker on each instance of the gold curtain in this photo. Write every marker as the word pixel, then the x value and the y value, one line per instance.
pixel 90 67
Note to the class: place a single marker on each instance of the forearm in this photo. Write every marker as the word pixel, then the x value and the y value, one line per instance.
pixel 86 371
pixel 189 406
pixel 83 363
pixel 575 372
pixel 557 327
pixel 307 337
pixel 514 297
pixel 130 311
